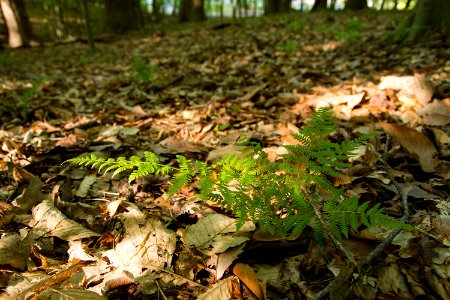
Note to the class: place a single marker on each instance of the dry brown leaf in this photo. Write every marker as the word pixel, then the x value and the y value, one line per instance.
pixel 248 276
pixel 224 260
pixel 221 290
pixel 174 145
pixel 416 143
pixel 14 251
pixel 436 113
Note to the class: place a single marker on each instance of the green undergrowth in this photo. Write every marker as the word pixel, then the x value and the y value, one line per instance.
pixel 285 196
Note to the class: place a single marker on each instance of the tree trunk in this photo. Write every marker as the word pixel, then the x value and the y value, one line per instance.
pixel 122 16
pixel 382 4
pixel 395 4
pixel 277 6
pixel 319 5
pixel 239 7
pixel 17 22
pixel 156 10
pixel 356 4
pixel 427 15
pixel 176 4
pixel 192 10
pixel 302 5
pixel 333 4
pixel 408 3
pixel 55 17
pixel 87 21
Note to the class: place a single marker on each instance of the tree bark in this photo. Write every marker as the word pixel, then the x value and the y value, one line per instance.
pixel 87 21
pixel 333 4
pixel 277 6
pixel 319 5
pixel 427 15
pixel 408 3
pixel 192 10
pixel 156 7
pixel 122 16
pixel 356 4
pixel 17 22
pixel 55 16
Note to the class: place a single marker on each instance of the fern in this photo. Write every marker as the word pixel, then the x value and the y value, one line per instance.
pixel 140 168
pixel 283 196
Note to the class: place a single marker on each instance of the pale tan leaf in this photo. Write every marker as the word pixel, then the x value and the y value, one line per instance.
pixel 224 260
pixel 54 223
pixel 77 252
pixel 39 286
pixel 436 113
pixel 248 276
pixel 416 143
pixel 118 131
pixel 220 290
pixel 86 183
pixel 146 242
pixel 207 234
pixel 217 154
pixel 176 145
pixel 63 294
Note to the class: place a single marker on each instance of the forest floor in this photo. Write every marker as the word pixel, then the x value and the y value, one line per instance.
pixel 70 231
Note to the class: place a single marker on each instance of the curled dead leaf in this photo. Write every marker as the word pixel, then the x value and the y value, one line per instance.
pixel 414 142
pixel 248 276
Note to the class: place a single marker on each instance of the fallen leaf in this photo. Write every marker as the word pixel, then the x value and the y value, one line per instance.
pixel 224 260
pixel 414 142
pixel 79 294
pixel 248 276
pixel 436 113
pixel 209 234
pixel 217 154
pixel 55 223
pixel 14 251
pixel 146 243
pixel 86 183
pixel 220 290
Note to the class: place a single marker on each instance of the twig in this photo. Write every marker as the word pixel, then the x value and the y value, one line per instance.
pixel 338 243
pixel 160 290
pixel 380 248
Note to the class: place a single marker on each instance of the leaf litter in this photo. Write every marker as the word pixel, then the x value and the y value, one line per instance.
pixel 73 233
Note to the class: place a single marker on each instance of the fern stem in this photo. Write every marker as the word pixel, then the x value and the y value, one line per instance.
pixel 404 194
pixel 324 224
pixel 380 248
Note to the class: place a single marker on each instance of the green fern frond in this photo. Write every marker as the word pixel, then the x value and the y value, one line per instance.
pixel 184 175
pixel 284 196
pixel 140 168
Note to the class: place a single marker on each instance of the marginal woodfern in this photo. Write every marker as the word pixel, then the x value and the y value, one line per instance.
pixel 284 196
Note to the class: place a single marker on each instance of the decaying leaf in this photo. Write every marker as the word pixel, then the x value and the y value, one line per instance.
pixel 248 276
pixel 436 113
pixel 86 183
pixel 50 221
pixel 220 290
pixel 146 243
pixel 14 251
pixel 62 294
pixel 209 234
pixel 225 259
pixel 416 143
